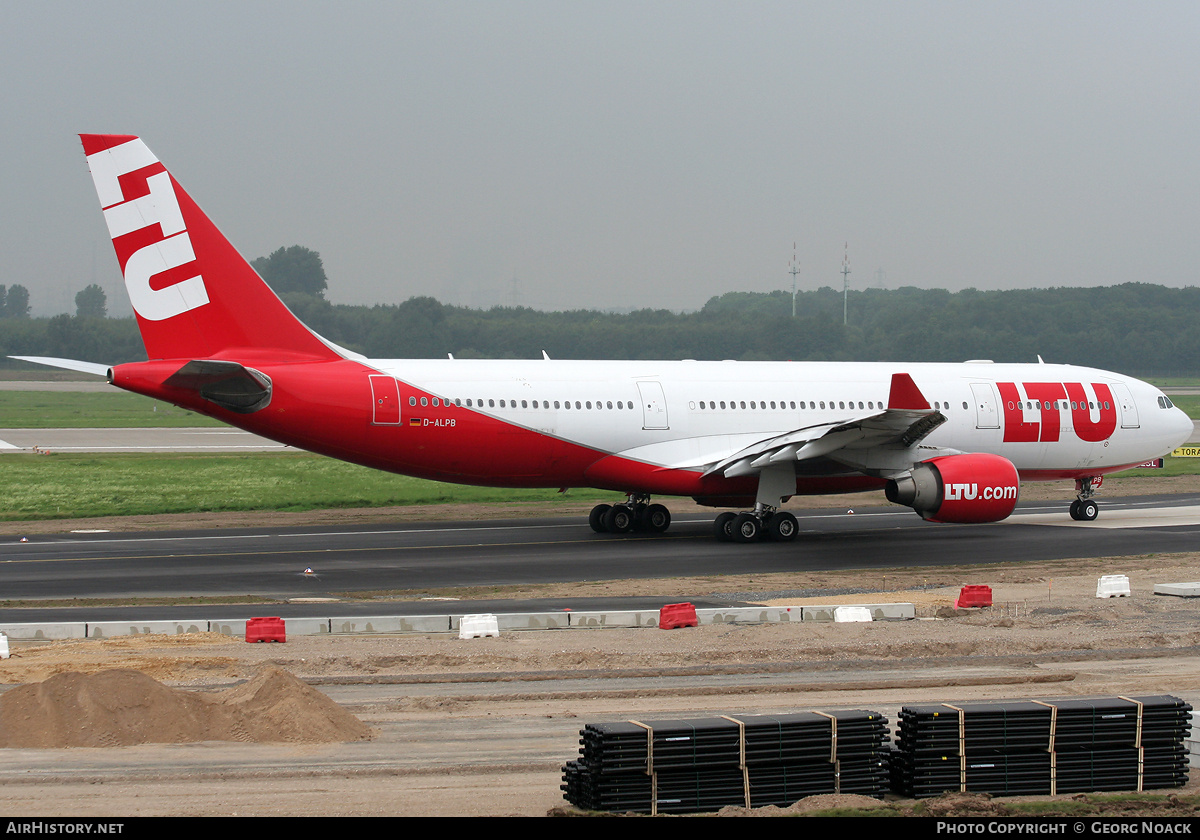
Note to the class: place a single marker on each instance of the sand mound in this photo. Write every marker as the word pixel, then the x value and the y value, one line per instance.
pixel 122 707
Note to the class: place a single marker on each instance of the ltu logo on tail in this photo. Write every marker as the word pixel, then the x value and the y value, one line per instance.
pixel 170 248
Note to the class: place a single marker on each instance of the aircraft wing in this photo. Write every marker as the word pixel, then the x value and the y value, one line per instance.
pixel 888 435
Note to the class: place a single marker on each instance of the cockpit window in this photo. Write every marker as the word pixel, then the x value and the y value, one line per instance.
pixel 1165 402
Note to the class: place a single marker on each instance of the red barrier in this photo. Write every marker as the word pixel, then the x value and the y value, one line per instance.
pixel 975 596
pixel 265 629
pixel 677 615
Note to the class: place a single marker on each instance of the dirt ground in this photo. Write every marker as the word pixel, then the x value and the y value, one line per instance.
pixel 1047 635
pixel 436 705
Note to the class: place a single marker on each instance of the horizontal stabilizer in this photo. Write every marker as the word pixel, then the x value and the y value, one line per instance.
pixel 66 364
pixel 230 385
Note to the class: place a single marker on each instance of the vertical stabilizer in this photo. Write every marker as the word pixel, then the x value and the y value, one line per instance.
pixel 194 295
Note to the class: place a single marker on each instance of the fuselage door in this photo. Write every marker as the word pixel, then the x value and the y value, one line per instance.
pixel 1129 412
pixel 654 405
pixel 385 401
pixel 986 415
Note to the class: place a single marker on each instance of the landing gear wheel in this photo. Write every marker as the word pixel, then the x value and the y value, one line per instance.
pixel 1075 510
pixel 746 527
pixel 1088 511
pixel 723 526
pixel 783 527
pixel 656 519
pixel 596 518
pixel 619 520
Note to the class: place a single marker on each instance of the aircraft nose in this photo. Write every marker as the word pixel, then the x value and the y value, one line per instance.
pixel 1185 427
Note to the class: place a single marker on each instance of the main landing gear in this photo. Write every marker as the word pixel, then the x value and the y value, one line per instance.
pixel 776 484
pixel 635 514
pixel 1083 509
pixel 761 523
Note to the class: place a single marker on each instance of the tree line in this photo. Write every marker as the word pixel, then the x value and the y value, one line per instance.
pixel 14 302
pixel 1136 328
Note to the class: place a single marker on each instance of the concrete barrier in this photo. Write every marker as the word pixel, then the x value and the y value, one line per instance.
pixel 749 615
pixel 391 625
pixel 879 612
pixel 293 627
pixel 365 625
pixel 614 618
pixel 1181 590
pixel 44 632
pixel 105 629
pixel 534 621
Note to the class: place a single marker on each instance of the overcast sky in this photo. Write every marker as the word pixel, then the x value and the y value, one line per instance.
pixel 615 154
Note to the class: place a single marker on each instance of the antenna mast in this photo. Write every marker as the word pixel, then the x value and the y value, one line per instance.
pixel 845 283
pixel 794 269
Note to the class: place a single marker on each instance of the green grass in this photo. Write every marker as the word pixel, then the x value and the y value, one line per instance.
pixel 70 486
pixel 1171 466
pixel 90 410
pixel 74 486
pixel 1174 381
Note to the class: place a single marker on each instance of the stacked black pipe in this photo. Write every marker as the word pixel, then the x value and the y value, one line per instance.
pixel 687 766
pixel 1042 747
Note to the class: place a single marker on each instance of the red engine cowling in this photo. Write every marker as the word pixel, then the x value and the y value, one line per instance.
pixel 959 488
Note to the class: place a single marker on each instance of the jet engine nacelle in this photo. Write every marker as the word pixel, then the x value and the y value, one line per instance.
pixel 959 488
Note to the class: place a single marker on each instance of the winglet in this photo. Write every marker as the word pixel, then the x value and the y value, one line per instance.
pixel 905 394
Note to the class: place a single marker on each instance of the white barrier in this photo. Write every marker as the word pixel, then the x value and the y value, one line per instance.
pixel 1112 586
pixel 476 626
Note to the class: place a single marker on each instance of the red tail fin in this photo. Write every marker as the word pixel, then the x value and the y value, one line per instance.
pixel 194 295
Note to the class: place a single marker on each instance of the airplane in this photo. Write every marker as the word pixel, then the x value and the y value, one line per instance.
pixel 951 441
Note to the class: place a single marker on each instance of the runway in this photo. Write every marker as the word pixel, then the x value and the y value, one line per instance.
pixel 437 557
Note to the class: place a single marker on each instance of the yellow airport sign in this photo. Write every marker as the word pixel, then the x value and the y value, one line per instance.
pixel 1186 452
